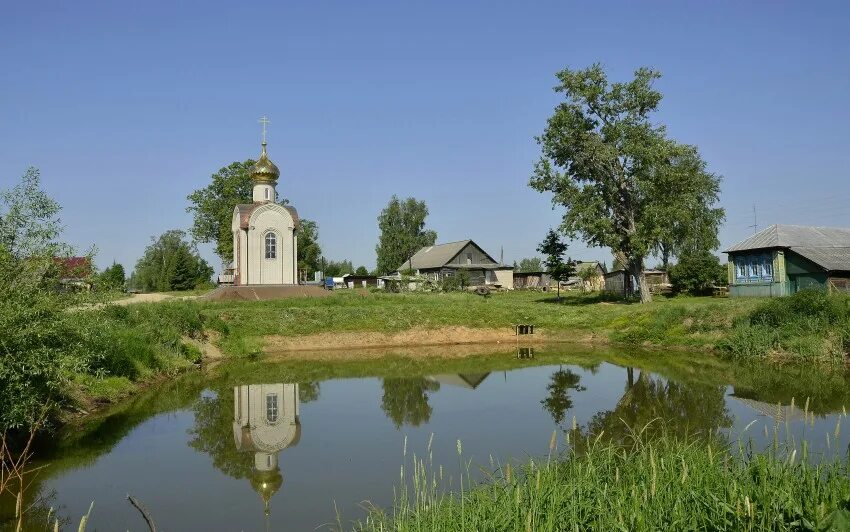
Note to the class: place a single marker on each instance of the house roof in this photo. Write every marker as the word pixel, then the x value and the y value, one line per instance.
pixel 790 236
pixel 828 247
pixel 439 255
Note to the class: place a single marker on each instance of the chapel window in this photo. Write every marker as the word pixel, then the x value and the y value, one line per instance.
pixel 267 193
pixel 271 407
pixel 271 246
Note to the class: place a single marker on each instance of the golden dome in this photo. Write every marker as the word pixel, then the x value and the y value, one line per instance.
pixel 266 484
pixel 264 170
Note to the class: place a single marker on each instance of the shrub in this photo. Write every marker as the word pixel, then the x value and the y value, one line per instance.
pixel 697 273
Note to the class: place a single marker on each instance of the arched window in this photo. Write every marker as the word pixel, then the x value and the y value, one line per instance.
pixel 271 246
pixel 271 407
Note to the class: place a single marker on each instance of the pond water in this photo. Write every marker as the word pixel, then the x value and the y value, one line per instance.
pixel 297 445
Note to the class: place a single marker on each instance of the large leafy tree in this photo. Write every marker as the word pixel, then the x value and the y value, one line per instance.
pixel 170 262
pixel 688 217
pixel 611 167
pixel 212 207
pixel 553 249
pixel 403 233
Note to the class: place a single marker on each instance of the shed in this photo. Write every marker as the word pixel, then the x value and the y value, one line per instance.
pixel 784 259
pixel 352 280
pixel 621 282
pixel 532 280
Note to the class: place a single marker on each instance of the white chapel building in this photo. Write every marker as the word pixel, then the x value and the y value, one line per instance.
pixel 265 233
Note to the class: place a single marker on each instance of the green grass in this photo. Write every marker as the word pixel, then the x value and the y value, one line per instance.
pixel 680 322
pixel 659 484
pixel 808 325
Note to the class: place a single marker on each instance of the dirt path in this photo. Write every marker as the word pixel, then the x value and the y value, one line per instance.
pixel 414 337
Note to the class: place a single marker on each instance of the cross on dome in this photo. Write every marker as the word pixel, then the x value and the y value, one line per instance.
pixel 265 122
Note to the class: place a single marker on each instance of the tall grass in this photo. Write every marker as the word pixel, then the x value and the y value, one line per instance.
pixel 658 484
pixel 810 324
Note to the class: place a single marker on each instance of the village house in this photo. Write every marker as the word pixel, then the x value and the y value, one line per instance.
pixel 75 273
pixel 543 280
pixel 438 262
pixel 784 259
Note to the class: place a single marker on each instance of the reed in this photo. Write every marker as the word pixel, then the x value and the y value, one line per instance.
pixel 662 484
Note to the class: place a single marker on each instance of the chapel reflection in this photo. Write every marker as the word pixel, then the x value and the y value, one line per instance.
pixel 266 420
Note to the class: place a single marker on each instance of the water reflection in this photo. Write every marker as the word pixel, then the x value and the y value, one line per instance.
pixel 266 421
pixel 246 421
pixel 655 407
pixel 559 401
pixel 405 401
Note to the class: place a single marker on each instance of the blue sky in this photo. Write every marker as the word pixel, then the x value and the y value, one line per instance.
pixel 128 107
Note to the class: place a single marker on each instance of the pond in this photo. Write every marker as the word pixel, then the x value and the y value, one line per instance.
pixel 298 445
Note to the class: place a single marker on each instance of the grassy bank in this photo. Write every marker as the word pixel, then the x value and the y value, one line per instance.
pixel 666 484
pixel 57 360
pixel 811 325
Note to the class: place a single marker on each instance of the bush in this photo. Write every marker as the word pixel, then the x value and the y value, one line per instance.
pixel 697 273
pixel 810 324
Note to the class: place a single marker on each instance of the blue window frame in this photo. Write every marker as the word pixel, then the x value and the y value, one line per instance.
pixel 754 268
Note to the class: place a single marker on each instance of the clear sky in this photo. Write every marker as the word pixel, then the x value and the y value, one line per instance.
pixel 127 107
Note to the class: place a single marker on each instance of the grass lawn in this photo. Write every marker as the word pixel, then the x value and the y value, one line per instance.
pixel 680 321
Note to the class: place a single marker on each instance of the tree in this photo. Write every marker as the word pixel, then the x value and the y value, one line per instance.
pixel 29 219
pixel 610 166
pixel 554 250
pixel 688 220
pixel 212 207
pixel 361 270
pixel 113 277
pixel 530 264
pixel 338 268
pixel 309 252
pixel 171 263
pixel 403 233
pixel 697 273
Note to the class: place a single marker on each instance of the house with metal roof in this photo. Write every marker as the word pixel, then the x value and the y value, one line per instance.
pixel 784 259
pixel 446 260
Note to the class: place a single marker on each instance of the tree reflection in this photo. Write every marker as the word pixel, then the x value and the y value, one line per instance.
pixel 405 401
pixel 655 408
pixel 559 401
pixel 212 434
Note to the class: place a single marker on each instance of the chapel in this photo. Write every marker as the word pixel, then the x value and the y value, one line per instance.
pixel 265 233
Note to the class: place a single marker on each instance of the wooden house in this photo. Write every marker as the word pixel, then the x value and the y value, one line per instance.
pixel 784 259
pixel 446 260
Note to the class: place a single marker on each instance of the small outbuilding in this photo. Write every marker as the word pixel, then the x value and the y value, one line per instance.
pixel 352 280
pixel 540 280
pixel 784 259
pixel 622 283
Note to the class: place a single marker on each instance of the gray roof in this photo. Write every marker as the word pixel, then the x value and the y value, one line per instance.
pixel 828 247
pixel 434 256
